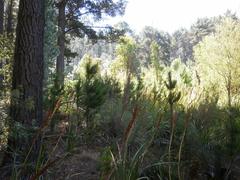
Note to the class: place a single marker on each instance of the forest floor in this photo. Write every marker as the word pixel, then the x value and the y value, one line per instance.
pixel 81 165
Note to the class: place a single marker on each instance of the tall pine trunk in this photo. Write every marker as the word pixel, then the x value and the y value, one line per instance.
pixel 61 42
pixel 1 32
pixel 27 83
pixel 9 20
pixel 28 61
pixel 1 15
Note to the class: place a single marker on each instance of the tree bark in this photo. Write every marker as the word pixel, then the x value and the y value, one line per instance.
pixel 27 80
pixel 1 15
pixel 1 32
pixel 61 42
pixel 9 20
pixel 28 60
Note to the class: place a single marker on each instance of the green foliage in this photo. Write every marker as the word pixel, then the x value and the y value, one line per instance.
pixel 127 166
pixel 71 137
pixel 173 96
pixel 52 95
pixel 188 111
pixel 183 40
pixel 6 55
pixel 90 92
pixel 78 23
pixel 127 169
pixel 217 56
pixel 126 57
pixel 6 47
pixel 105 164
pixel 145 39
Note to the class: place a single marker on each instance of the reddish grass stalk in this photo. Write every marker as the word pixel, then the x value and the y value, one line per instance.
pixel 129 129
pixel 46 121
pixel 45 124
pixel 126 136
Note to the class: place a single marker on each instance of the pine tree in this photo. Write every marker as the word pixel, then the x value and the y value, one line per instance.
pixel 173 97
pixel 51 48
pixel 90 91
pixel 74 22
pixel 26 103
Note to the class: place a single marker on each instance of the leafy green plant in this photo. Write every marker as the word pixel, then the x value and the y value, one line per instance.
pixel 52 95
pixel 90 93
pixel 71 137
pixel 173 97
pixel 105 164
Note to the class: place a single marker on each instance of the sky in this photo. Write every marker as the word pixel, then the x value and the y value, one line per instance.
pixel 170 15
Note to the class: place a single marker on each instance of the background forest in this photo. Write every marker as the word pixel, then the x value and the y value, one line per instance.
pixel 81 99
